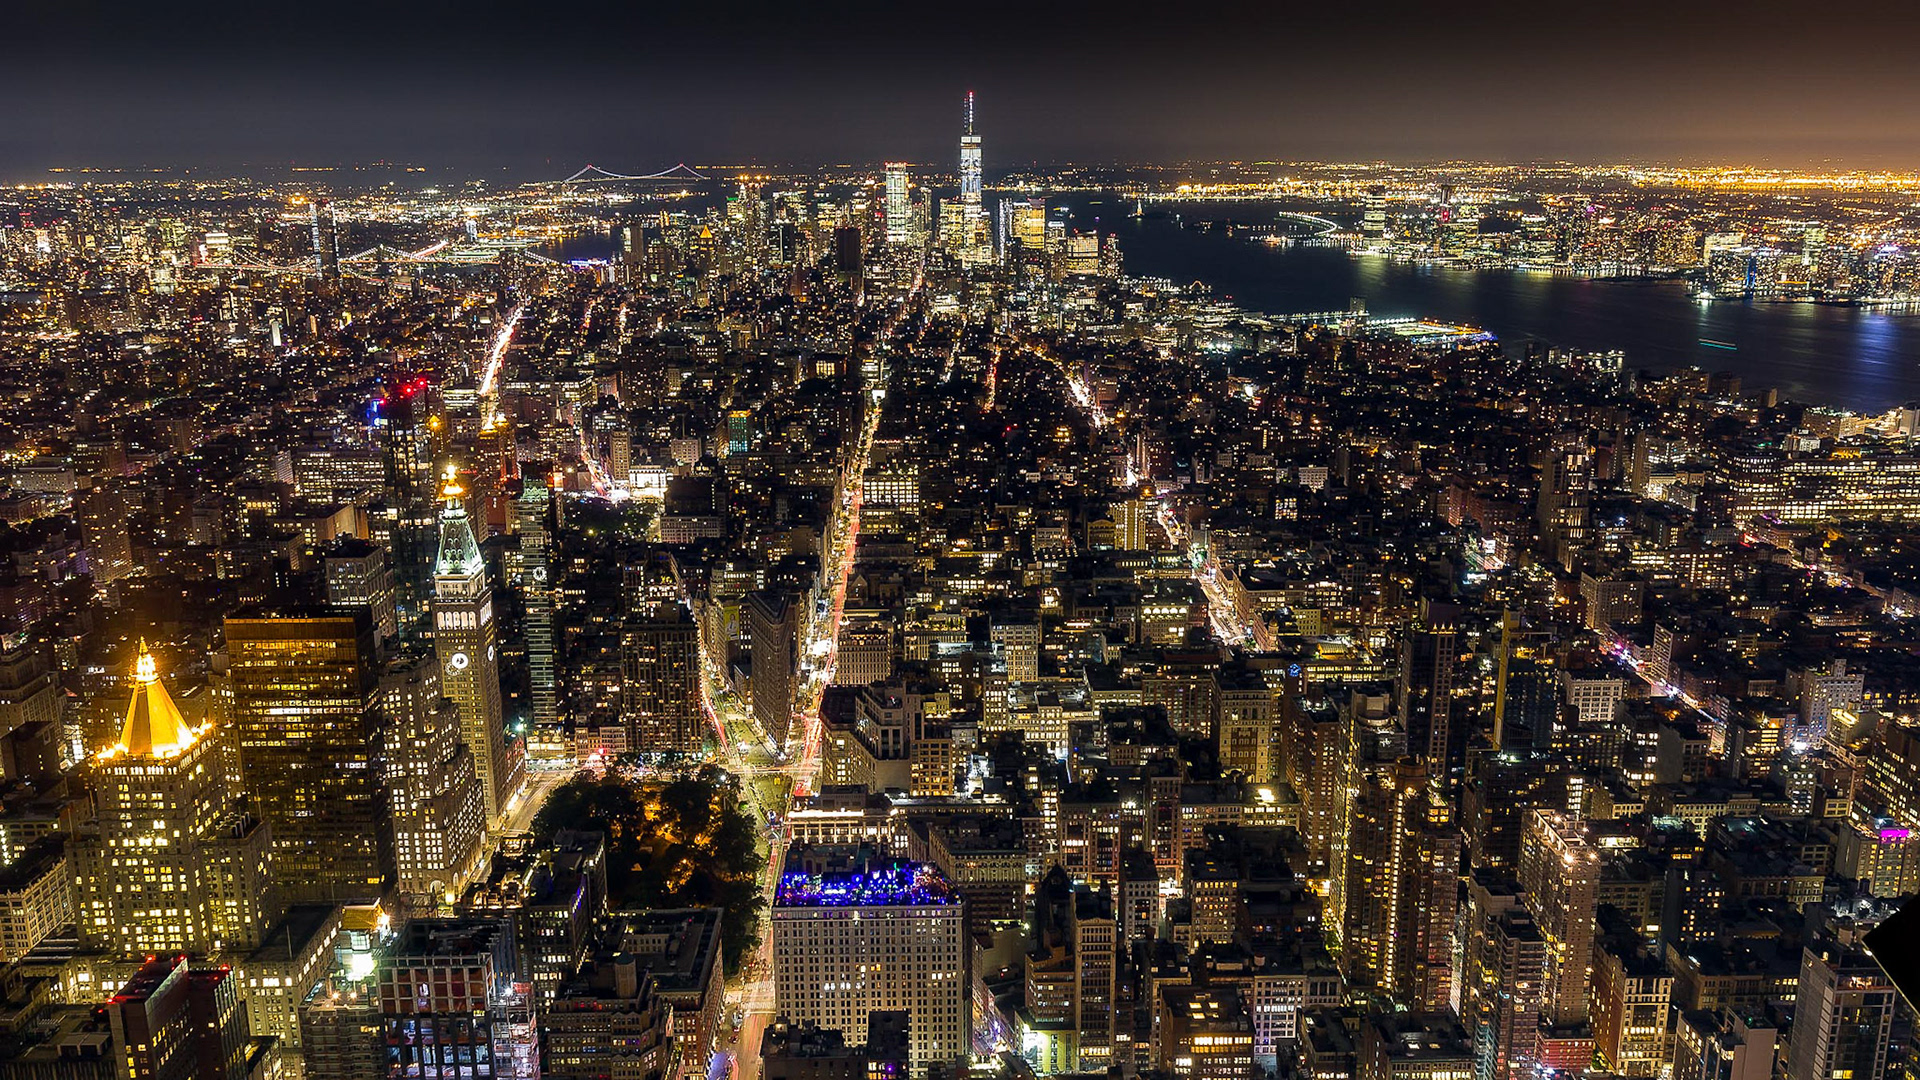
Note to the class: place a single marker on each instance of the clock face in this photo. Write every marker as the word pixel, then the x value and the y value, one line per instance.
pixel 489 654
pixel 458 661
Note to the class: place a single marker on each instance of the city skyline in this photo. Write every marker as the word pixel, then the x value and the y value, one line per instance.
pixel 944 616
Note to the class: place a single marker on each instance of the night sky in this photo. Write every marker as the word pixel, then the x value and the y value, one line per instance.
pixel 542 88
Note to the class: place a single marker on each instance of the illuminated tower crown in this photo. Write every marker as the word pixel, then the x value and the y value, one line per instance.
pixel 154 726
pixel 459 552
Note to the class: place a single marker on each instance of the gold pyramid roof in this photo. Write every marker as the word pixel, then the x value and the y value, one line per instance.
pixel 154 726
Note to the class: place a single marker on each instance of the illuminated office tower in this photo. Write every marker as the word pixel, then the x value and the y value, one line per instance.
pixel 978 242
pixel 466 639
pixel 1402 862
pixel 1373 215
pixel 853 933
pixel 773 629
pixel 306 717
pixel 899 211
pixel 1843 1016
pixel 969 159
pixel 405 429
pixel 357 575
pixel 439 830
pixel 536 589
pixel 168 864
pixel 1560 871
pixel 326 240
pixel 660 702
pixel 1026 223
pixel 1429 674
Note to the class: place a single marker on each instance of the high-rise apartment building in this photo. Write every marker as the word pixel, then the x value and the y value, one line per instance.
pixel 660 701
pixel 854 932
pixel 168 864
pixel 466 639
pixel 1402 862
pixel 773 630
pixel 439 826
pixel 1715 1044
pixel 1429 675
pixel 1560 871
pixel 1843 1016
pixel 306 721
pixel 1504 961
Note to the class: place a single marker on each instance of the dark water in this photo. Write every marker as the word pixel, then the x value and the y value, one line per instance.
pixel 1842 356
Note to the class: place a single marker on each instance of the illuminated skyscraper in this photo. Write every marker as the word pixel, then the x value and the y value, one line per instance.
pixel 439 830
pixel 168 864
pixel 1429 673
pixel 326 240
pixel 899 210
pixel 660 703
pixel 976 245
pixel 773 629
pixel 853 933
pixel 969 160
pixel 1402 863
pixel 466 639
pixel 358 576
pixel 1843 1016
pixel 405 428
pixel 536 588
pixel 1373 217
pixel 1560 870
pixel 1503 958
pixel 306 715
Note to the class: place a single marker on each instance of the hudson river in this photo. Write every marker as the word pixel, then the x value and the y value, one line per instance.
pixel 1852 357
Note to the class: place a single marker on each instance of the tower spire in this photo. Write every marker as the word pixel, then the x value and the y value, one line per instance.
pixel 459 552
pixel 154 726
pixel 969 129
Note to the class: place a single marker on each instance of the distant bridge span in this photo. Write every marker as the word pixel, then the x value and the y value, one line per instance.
pixel 593 173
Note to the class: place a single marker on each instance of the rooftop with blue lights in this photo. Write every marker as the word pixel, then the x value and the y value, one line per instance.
pixel 864 883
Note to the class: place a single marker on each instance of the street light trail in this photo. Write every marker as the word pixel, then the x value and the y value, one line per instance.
pixel 499 352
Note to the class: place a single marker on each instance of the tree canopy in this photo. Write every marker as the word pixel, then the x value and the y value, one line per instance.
pixel 684 842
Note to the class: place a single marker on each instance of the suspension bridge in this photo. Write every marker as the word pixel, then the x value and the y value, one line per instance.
pixel 595 174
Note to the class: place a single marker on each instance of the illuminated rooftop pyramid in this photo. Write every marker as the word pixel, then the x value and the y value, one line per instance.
pixel 154 726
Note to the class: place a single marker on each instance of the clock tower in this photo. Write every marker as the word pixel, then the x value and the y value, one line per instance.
pixel 465 639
